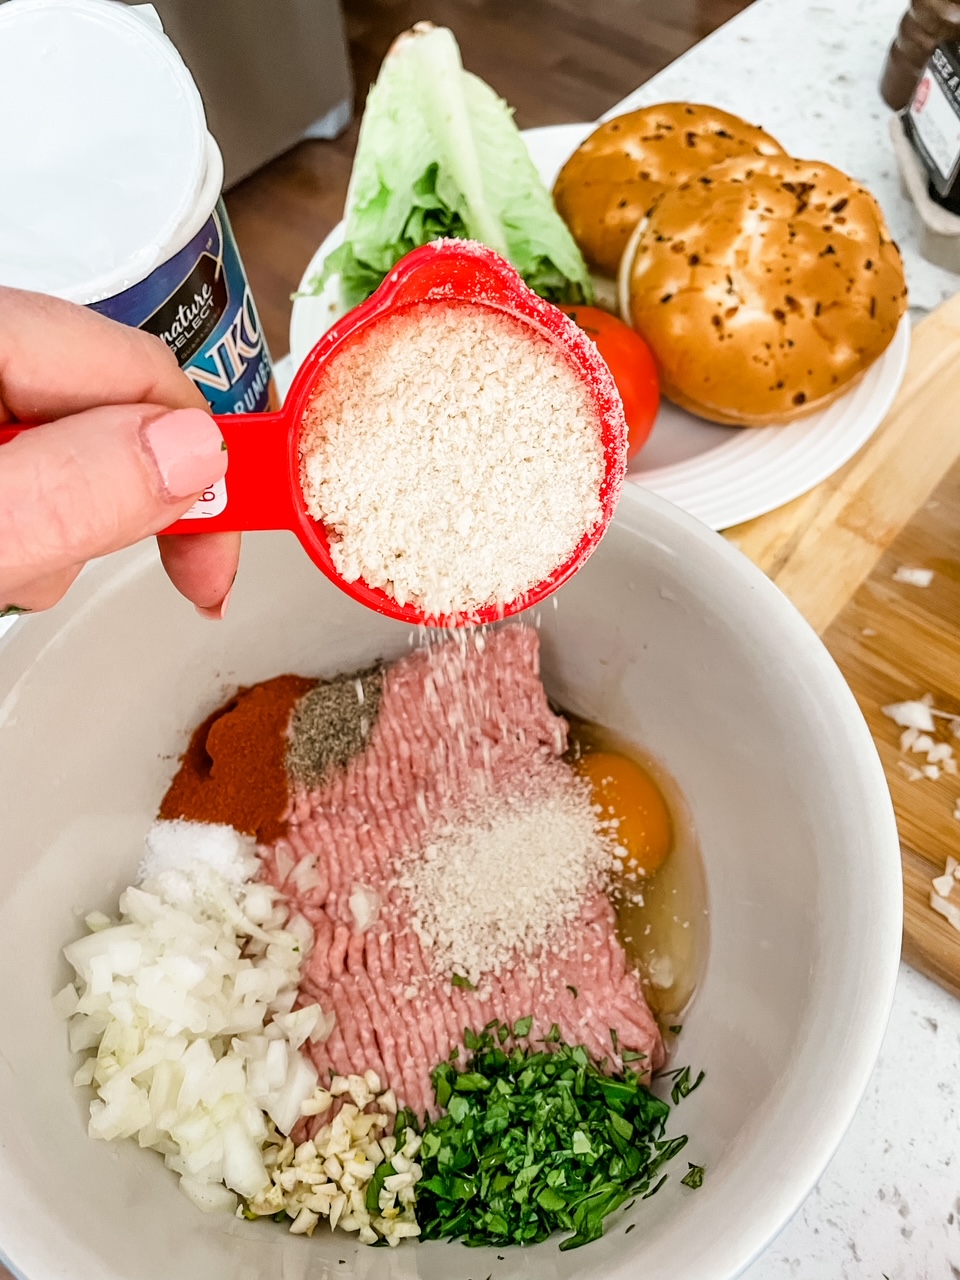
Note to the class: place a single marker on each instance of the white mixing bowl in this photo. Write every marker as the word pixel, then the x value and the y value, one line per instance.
pixel 670 637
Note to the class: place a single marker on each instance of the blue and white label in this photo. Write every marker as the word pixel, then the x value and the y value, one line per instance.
pixel 199 303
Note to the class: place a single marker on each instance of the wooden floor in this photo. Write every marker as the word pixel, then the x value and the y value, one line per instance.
pixel 553 60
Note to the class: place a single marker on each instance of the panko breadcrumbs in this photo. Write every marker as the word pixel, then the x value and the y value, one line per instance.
pixel 454 456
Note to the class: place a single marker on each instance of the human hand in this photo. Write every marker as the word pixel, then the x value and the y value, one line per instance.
pixel 112 465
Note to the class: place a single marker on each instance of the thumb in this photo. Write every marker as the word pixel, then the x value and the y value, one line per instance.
pixel 97 481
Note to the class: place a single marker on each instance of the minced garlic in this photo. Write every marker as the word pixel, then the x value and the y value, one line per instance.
pixel 329 1176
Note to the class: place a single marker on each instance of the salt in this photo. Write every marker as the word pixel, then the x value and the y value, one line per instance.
pixel 182 846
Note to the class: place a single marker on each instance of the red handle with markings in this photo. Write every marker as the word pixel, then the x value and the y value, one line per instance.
pixel 261 489
pixel 256 492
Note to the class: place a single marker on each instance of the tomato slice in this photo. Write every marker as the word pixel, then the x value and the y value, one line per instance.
pixel 629 360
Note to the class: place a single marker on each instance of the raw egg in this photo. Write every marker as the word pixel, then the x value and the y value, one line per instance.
pixel 630 801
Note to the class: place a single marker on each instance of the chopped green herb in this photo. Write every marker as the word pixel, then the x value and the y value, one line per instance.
pixel 631 1055
pixel 458 980
pixel 675 1029
pixel 693 1177
pixel 682 1086
pixel 375 1185
pixel 536 1141
pixel 405 1119
pixel 13 611
pixel 629 1228
pixel 614 1040
pixel 581 1144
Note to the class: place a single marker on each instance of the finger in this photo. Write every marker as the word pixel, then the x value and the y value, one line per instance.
pixel 202 568
pixel 57 359
pixel 98 481
pixel 41 594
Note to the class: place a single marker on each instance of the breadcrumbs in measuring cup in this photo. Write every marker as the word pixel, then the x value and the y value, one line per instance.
pixel 454 456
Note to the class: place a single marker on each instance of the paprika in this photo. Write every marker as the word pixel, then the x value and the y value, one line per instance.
pixel 234 769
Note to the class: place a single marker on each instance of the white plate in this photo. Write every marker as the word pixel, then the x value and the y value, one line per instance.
pixel 721 475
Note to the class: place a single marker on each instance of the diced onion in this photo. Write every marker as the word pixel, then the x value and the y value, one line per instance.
pixel 910 715
pixel 210 1197
pixel 949 910
pixel 65 1002
pixel 188 1005
pixel 299 1025
pixel 364 906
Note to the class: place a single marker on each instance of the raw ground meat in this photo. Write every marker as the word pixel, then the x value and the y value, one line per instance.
pixel 453 718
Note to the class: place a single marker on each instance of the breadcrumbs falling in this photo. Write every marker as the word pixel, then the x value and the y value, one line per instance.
pixel 455 457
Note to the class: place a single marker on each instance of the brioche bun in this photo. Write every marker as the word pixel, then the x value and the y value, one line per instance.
pixel 764 287
pixel 615 177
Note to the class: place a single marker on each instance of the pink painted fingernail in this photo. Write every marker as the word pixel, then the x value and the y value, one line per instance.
pixel 187 448
pixel 216 611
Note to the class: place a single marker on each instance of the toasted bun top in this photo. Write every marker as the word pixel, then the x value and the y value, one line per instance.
pixel 614 178
pixel 763 286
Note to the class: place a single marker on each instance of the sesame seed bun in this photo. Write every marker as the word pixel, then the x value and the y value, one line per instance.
pixel 765 287
pixel 615 177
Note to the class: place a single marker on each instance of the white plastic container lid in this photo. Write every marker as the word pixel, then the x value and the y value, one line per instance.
pixel 103 146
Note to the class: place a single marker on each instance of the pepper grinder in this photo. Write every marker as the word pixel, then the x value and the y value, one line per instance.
pixel 926 24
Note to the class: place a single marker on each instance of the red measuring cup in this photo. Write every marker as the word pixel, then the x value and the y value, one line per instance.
pixel 262 483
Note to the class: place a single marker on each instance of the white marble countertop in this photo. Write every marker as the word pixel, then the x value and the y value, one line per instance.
pixel 889 1203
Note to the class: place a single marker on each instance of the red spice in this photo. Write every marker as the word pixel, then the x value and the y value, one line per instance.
pixel 234 770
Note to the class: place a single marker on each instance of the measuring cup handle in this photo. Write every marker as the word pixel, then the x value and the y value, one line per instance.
pixel 256 491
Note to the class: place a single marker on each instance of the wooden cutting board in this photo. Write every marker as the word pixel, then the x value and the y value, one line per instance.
pixel 835 551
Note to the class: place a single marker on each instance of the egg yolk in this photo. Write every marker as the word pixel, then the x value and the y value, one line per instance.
pixel 629 800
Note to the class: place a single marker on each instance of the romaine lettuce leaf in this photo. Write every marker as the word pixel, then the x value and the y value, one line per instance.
pixel 440 155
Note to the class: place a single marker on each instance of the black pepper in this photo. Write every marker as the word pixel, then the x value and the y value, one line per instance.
pixel 331 724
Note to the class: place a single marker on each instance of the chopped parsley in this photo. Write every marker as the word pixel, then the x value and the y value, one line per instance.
pixel 458 980
pixel 693 1177
pixel 682 1085
pixel 375 1185
pixel 535 1142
